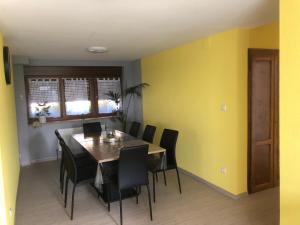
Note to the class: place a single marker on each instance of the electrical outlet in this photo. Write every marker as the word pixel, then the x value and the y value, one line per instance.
pixel 223 170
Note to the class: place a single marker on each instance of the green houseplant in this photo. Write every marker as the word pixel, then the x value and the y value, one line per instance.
pixel 129 94
pixel 42 111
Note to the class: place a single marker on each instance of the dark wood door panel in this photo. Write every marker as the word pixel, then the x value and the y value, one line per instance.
pixel 261 99
pixel 264 142
pixel 263 166
pixel 263 114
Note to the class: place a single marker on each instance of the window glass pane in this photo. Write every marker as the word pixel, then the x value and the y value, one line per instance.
pixel 109 95
pixel 43 97
pixel 77 95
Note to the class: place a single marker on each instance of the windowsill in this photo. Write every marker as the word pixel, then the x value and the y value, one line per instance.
pixel 30 122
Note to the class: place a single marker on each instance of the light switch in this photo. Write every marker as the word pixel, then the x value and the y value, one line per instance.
pixel 224 108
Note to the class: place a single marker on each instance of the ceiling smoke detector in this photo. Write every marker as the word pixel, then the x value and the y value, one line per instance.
pixel 97 49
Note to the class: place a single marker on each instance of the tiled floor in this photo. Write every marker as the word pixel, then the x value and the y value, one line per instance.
pixel 40 203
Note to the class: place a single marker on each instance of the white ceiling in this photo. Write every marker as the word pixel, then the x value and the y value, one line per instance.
pixel 63 29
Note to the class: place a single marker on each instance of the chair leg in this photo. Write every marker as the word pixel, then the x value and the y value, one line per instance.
pixel 156 177
pixel 137 195
pixel 164 172
pixel 121 215
pixel 62 182
pixel 66 191
pixel 72 206
pixel 149 198
pixel 178 178
pixel 108 197
pixel 153 187
pixel 61 177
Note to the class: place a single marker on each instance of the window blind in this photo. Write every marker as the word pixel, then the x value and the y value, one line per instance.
pixel 77 95
pixel 106 85
pixel 76 89
pixel 43 90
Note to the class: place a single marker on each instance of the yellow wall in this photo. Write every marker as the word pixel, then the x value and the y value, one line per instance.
pixel 9 155
pixel 189 84
pixel 2 196
pixel 266 36
pixel 290 112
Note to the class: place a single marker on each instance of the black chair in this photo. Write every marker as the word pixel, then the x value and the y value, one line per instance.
pixel 92 128
pixel 134 129
pixel 75 173
pixel 132 172
pixel 149 133
pixel 168 142
pixel 109 171
pixel 62 170
pixel 81 157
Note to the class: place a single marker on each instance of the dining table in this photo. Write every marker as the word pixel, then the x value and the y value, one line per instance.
pixel 104 149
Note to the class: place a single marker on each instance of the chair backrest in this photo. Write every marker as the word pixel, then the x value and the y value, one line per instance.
pixel 133 166
pixel 168 141
pixel 149 133
pixel 134 129
pixel 66 135
pixel 69 161
pixel 59 138
pixel 92 128
pixel 57 134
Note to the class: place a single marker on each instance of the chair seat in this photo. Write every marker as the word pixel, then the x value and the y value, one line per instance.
pixel 75 147
pixel 81 155
pixel 154 163
pixel 110 172
pixel 84 160
pixel 86 173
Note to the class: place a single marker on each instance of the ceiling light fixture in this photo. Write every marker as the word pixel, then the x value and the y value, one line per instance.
pixel 97 49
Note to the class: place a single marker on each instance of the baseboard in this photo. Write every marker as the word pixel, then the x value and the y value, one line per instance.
pixel 218 189
pixel 52 158
pixel 23 164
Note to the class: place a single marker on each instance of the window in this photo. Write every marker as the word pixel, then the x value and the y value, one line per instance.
pixel 109 91
pixel 77 96
pixel 64 93
pixel 43 93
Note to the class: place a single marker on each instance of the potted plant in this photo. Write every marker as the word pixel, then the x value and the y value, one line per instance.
pixel 42 111
pixel 116 97
pixel 129 93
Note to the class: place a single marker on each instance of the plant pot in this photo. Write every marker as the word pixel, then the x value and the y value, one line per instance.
pixel 42 119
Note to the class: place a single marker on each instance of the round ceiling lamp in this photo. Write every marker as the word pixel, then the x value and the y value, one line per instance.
pixel 97 49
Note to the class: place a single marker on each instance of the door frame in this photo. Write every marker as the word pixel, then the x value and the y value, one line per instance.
pixel 251 51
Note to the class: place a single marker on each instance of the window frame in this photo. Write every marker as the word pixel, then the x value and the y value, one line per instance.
pixel 61 72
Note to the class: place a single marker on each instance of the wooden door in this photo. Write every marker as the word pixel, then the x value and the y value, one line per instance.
pixel 263 160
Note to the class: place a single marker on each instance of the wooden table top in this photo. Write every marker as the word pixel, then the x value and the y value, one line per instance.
pixel 104 151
